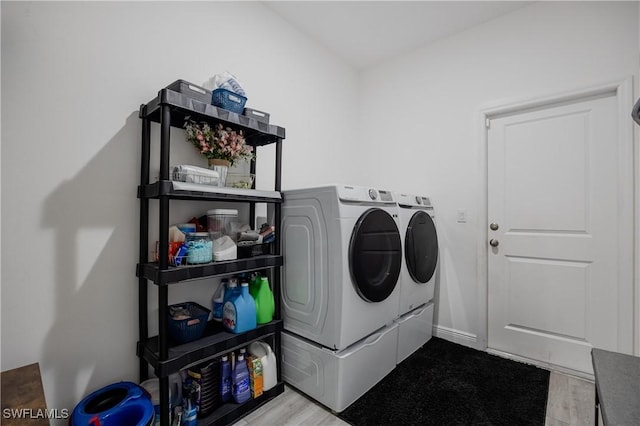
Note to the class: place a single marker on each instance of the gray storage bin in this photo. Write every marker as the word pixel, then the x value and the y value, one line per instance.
pixel 191 90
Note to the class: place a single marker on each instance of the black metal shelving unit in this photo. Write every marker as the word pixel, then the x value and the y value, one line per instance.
pixel 170 109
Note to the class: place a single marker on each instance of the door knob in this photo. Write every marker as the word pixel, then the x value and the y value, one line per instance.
pixel 494 226
pixel 493 242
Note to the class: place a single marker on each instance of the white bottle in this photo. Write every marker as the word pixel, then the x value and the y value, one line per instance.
pixel 269 368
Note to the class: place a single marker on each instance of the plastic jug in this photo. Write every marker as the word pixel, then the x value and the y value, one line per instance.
pixel 269 368
pixel 232 289
pixel 175 389
pixel 241 391
pixel 253 283
pixel 217 301
pixel 152 386
pixel 265 303
pixel 239 312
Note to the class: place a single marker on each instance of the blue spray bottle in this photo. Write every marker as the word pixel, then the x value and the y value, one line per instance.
pixel 225 379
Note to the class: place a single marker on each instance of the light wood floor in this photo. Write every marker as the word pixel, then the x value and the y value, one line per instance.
pixel 570 402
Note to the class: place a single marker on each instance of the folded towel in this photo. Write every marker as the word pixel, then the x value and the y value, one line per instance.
pixel 248 236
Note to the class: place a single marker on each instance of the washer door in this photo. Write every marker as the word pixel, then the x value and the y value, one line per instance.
pixel 421 247
pixel 375 255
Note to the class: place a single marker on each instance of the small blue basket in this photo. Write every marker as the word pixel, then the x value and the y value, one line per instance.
pixel 188 329
pixel 228 100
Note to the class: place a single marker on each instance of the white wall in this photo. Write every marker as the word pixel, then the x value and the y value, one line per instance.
pixel 422 110
pixel 73 77
pixel 74 74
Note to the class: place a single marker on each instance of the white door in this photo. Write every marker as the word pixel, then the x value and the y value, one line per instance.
pixel 558 281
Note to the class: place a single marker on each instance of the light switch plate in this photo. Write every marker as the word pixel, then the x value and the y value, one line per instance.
pixel 461 216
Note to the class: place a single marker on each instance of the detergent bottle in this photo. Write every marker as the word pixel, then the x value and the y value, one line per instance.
pixel 264 352
pixel 217 301
pixel 253 283
pixel 232 289
pixel 265 303
pixel 239 312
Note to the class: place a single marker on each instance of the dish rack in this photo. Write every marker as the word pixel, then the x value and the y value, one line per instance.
pixel 192 174
pixel 240 180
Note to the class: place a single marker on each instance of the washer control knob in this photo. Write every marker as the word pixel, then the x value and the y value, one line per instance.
pixel 418 200
pixel 373 194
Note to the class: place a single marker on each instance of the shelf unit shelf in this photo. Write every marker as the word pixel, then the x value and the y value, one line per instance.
pixel 167 189
pixel 215 342
pixel 171 109
pixel 177 274
pixel 256 132
pixel 229 412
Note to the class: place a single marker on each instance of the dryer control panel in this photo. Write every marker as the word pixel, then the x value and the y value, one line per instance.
pixel 365 195
pixel 409 201
pixel 386 196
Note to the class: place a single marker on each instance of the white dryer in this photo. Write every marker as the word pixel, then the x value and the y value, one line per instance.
pixel 417 276
pixel 342 260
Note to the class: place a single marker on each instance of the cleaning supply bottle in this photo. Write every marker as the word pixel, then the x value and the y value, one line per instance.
pixel 244 277
pixel 239 312
pixel 190 414
pixel 233 288
pixel 264 352
pixel 225 379
pixel 217 301
pixel 265 303
pixel 253 283
pixel 241 390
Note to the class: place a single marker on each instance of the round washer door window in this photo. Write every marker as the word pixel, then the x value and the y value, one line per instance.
pixel 375 255
pixel 421 247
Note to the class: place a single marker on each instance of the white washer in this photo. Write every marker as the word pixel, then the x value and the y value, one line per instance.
pixel 342 260
pixel 417 276
pixel 343 256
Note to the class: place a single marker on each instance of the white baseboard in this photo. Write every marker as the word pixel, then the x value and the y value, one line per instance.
pixel 470 340
pixel 542 364
pixel 456 336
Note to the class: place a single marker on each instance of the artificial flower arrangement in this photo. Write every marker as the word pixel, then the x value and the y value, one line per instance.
pixel 218 142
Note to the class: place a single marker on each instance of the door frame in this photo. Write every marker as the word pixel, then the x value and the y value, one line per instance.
pixel 629 156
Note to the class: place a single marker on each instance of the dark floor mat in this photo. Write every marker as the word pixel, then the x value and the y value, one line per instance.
pixel 444 383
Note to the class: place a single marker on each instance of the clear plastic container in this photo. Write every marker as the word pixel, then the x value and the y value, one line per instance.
pixel 219 222
pixel 240 180
pixel 199 247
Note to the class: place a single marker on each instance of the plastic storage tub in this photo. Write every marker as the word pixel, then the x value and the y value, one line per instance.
pixel 219 222
pixel 258 115
pixel 191 90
